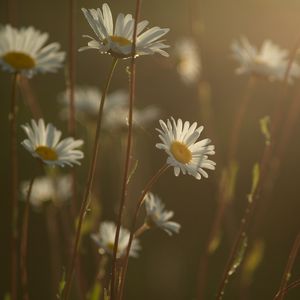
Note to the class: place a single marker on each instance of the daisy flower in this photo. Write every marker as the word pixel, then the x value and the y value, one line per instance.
pixel 188 60
pixel 105 239
pixel 270 61
pixel 115 114
pixel 24 51
pixel 43 142
pixel 144 116
pixel 87 101
pixel 45 189
pixel 158 216
pixel 117 40
pixel 185 154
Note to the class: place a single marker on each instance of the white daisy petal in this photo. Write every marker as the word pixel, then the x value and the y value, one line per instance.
pixel 189 65
pixel 43 143
pixel 23 51
pixel 158 216
pixel 58 189
pixel 270 61
pixel 105 239
pixel 118 40
pixel 184 153
pixel 87 101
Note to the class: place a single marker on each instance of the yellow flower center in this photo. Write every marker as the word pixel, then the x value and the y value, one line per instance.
pixel 181 152
pixel 19 60
pixel 46 153
pixel 120 40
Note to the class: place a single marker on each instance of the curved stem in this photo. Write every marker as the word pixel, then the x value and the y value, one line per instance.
pixel 128 153
pixel 291 286
pixel 223 186
pixel 14 186
pixel 24 242
pixel 85 202
pixel 283 140
pixel 246 219
pixel 241 234
pixel 288 269
pixel 277 115
pixel 267 155
pixel 141 230
pixel 147 188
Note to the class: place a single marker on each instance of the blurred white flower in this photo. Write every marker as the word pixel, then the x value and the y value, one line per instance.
pixel 47 188
pixel 270 61
pixel 185 154
pixel 117 40
pixel 44 143
pixel 188 60
pixel 105 239
pixel 158 216
pixel 24 51
pixel 87 101
pixel 117 116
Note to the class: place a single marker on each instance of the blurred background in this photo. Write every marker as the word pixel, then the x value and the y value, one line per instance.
pixel 168 267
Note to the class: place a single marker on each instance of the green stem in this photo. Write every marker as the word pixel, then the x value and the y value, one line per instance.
pixel 91 173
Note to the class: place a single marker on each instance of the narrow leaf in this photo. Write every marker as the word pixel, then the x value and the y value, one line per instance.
pixel 132 171
pixel 61 285
pixel 255 180
pixel 95 293
pixel 265 128
pixel 239 256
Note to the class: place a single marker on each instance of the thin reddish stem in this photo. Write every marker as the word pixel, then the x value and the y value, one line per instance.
pixel 140 202
pixel 24 243
pixel 222 191
pixel 291 286
pixel 14 187
pixel 71 67
pixel 128 153
pixel 85 202
pixel 267 155
pixel 288 269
